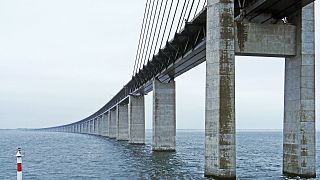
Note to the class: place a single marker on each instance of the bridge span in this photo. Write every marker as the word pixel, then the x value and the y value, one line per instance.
pixel 219 32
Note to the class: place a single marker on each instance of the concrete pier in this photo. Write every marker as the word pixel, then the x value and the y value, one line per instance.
pixel 220 149
pixel 164 116
pixel 92 126
pixel 136 113
pixel 82 128
pixel 123 124
pixel 87 127
pixel 96 126
pixel 299 153
pixel 105 129
pixel 99 125
pixel 109 123
pixel 113 124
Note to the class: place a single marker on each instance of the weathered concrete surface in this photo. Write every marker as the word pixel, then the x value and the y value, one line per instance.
pixel 96 126
pixel 77 128
pixel 109 123
pixel 92 126
pixel 87 127
pixel 275 40
pixel 113 124
pixel 164 116
pixel 82 128
pixel 99 125
pixel 123 124
pixel 220 149
pixel 104 126
pixel 136 120
pixel 299 106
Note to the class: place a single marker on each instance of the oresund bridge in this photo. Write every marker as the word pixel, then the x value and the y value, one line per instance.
pixel 178 35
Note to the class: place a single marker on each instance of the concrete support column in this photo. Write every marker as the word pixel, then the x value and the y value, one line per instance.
pixel 123 124
pixel 299 150
pixel 220 149
pixel 100 125
pixel 136 120
pixel 113 124
pixel 105 128
pixel 96 125
pixel 92 126
pixel 88 127
pixel 97 119
pixel 164 116
pixel 82 128
pixel 109 123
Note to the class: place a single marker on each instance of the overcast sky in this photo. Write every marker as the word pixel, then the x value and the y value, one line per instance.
pixel 62 60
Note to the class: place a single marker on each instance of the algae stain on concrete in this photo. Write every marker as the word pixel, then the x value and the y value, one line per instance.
pixel 242 32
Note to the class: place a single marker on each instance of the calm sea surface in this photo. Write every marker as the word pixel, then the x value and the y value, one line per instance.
pixel 75 156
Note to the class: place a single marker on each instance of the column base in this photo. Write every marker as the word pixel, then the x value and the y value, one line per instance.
pixel 133 143
pixel 219 177
pixel 299 175
pixel 163 149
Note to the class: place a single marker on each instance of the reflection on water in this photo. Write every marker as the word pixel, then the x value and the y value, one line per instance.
pixel 78 156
